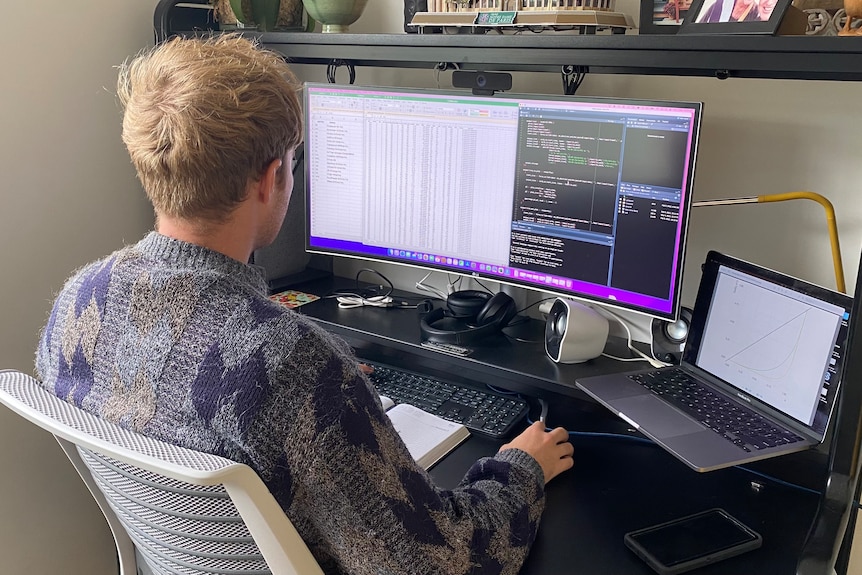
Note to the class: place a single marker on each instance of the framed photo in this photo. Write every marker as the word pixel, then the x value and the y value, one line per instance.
pixel 735 17
pixel 663 16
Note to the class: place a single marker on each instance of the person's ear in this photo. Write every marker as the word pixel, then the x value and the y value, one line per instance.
pixel 266 185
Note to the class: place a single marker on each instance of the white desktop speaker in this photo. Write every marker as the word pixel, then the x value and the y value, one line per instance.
pixel 574 332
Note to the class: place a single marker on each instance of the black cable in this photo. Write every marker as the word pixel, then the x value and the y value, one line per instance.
pixel 519 319
pixel 520 339
pixel 535 303
pixel 298 155
pixel 366 292
pixel 378 274
pixel 483 286
pixel 457 282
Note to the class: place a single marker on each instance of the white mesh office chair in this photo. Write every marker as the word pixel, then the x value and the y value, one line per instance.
pixel 187 512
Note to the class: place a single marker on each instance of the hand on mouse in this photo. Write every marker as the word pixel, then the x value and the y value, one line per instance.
pixel 551 449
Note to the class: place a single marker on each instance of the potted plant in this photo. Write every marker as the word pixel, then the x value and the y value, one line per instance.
pixel 265 15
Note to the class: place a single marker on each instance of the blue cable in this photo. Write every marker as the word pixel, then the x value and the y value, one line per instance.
pixel 651 442
pixel 603 434
pixel 779 481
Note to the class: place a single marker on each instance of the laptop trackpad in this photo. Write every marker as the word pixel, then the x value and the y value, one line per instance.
pixel 656 417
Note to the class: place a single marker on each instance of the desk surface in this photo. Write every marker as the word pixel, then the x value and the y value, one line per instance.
pixel 618 484
pixel 516 360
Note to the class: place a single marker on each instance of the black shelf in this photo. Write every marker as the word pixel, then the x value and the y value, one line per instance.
pixel 800 57
pixel 784 57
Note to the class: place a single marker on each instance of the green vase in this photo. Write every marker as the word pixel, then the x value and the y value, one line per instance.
pixel 264 14
pixel 236 6
pixel 335 15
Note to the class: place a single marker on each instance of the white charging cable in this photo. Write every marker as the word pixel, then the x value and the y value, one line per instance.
pixel 352 301
pixel 653 361
pixel 422 286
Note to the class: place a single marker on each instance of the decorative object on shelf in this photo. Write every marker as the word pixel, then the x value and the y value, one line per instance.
pixel 480 16
pixel 335 15
pixel 820 23
pixel 663 16
pixel 264 15
pixel 825 17
pixel 765 17
pixel 852 11
pixel 411 7
pixel 223 12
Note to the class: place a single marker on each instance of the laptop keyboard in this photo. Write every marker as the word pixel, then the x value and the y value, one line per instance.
pixel 743 427
pixel 483 412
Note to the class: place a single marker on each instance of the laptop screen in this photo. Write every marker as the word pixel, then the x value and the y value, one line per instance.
pixel 774 338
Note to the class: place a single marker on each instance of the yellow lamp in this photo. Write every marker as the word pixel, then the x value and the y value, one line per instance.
pixel 830 221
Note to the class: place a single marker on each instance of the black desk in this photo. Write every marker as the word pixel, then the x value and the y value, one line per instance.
pixel 618 484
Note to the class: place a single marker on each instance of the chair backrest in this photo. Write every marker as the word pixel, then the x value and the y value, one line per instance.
pixel 185 511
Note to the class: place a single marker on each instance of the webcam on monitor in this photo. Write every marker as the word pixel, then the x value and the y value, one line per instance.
pixel 482 83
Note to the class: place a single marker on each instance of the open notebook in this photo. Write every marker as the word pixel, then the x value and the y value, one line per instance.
pixel 760 373
pixel 427 436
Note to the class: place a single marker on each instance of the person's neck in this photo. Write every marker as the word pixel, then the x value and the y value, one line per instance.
pixel 226 238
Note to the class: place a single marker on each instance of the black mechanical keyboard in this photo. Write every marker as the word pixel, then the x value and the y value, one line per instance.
pixel 743 427
pixel 483 412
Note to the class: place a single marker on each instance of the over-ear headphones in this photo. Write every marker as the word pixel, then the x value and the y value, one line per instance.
pixel 466 303
pixel 481 313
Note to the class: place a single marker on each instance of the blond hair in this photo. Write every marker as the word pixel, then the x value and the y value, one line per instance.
pixel 203 117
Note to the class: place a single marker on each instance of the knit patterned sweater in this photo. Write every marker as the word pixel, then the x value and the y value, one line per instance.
pixel 181 343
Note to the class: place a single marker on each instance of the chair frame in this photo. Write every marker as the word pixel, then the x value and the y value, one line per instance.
pixel 84 436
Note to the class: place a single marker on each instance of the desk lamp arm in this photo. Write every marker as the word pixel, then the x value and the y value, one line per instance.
pixel 803 195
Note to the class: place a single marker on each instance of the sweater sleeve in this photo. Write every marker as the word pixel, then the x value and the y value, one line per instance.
pixel 364 506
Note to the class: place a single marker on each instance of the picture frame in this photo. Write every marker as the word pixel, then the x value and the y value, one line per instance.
pixel 758 17
pixel 662 16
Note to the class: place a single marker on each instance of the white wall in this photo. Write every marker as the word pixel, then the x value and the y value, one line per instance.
pixel 69 195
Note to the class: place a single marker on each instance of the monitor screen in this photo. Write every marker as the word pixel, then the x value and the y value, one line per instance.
pixel 579 197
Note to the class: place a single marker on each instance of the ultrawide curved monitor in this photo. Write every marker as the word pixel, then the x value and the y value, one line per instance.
pixel 579 197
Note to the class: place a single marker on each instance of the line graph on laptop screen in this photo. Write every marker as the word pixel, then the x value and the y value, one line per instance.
pixel 771 342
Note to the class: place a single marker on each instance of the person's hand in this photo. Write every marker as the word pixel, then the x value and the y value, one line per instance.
pixel 366 369
pixel 551 449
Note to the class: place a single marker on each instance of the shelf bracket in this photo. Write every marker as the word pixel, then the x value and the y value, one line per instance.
pixel 334 65
pixel 572 77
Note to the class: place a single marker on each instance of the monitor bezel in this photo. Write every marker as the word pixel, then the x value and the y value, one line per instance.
pixel 685 205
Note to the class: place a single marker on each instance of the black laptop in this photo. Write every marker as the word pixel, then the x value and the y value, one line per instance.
pixel 759 375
